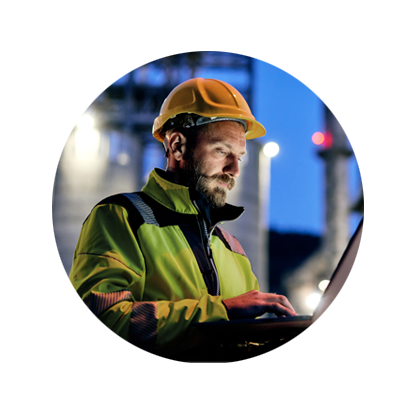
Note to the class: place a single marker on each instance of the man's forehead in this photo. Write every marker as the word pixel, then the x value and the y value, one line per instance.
pixel 222 130
pixel 230 125
pixel 232 138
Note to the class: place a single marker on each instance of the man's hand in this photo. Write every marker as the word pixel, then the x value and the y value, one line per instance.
pixel 254 303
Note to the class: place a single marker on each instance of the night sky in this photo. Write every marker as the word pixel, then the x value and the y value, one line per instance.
pixel 291 113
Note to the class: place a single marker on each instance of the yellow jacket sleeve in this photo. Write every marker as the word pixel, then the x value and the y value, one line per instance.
pixel 109 273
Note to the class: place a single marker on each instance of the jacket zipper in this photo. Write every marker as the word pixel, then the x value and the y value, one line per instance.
pixel 210 255
pixel 208 250
pixel 221 222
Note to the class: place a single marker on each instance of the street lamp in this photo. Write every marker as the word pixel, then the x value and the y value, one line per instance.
pixel 271 149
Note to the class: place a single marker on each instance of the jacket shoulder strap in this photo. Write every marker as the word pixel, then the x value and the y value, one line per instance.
pixel 145 211
pixel 138 210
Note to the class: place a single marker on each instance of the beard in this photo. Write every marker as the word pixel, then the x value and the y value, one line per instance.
pixel 195 177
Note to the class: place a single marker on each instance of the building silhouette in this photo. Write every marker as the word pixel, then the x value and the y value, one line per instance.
pixel 319 266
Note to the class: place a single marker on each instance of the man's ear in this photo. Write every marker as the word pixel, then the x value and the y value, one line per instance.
pixel 177 145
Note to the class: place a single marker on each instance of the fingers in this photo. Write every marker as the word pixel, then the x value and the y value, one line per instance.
pixel 279 305
pixel 255 303
pixel 279 310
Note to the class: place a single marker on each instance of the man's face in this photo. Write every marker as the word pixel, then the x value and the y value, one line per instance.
pixel 214 163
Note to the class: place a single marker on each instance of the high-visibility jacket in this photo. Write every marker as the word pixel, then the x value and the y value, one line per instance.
pixel 152 263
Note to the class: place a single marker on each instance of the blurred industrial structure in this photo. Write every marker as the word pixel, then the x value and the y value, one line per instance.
pixel 111 150
pixel 310 277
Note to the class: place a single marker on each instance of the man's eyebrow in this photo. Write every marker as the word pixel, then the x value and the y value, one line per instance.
pixel 229 146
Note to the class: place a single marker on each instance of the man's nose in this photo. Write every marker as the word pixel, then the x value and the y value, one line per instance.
pixel 232 167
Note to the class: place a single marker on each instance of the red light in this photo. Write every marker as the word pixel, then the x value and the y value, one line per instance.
pixel 328 140
pixel 318 138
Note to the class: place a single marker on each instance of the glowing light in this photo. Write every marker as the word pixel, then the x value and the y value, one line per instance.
pixel 328 140
pixel 123 159
pixel 87 141
pixel 323 285
pixel 271 149
pixel 60 56
pixel 85 122
pixel 313 300
pixel 318 138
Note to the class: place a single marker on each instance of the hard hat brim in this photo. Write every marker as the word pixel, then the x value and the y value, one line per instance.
pixel 254 128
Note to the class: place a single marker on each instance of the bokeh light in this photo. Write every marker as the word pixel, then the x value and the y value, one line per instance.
pixel 86 122
pixel 271 149
pixel 313 300
pixel 323 285
pixel 318 138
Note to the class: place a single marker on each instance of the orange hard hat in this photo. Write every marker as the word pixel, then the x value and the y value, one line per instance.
pixel 211 100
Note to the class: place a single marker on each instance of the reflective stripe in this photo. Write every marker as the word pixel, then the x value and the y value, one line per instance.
pixel 145 211
pixel 100 302
pixel 143 324
pixel 143 319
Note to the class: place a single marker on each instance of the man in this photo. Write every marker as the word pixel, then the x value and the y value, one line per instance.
pixel 151 264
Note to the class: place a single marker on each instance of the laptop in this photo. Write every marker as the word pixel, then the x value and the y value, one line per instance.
pixel 283 329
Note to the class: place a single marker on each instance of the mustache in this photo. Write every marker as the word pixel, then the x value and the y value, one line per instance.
pixel 224 179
